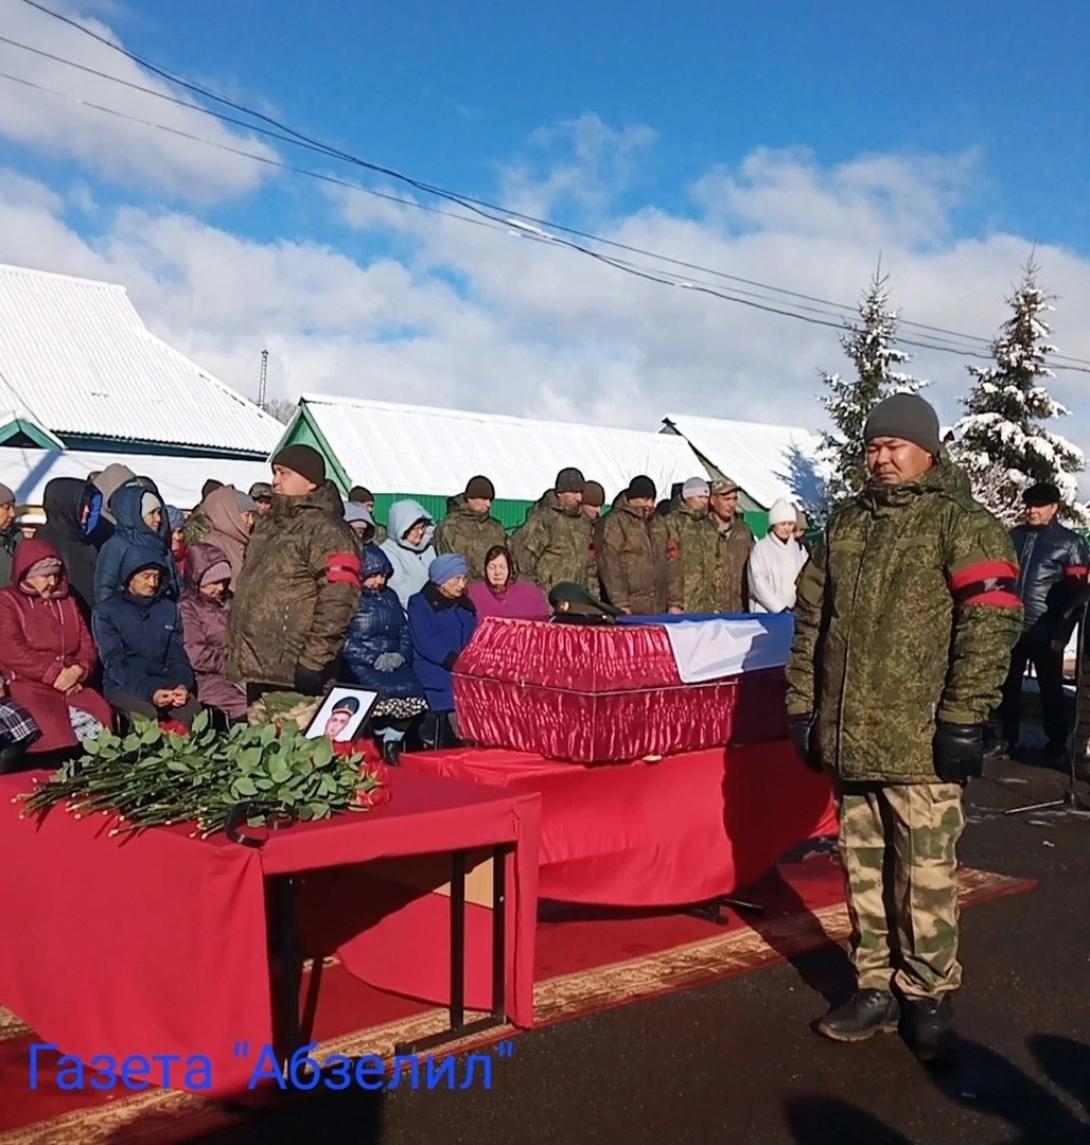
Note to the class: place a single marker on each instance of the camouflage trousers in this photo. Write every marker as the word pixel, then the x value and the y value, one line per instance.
pixel 282 708
pixel 898 847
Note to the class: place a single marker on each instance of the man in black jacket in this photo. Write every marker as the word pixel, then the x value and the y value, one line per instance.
pixel 1052 582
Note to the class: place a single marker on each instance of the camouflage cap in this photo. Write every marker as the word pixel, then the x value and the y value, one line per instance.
pixel 722 486
pixel 570 480
pixel 261 491
pixel 573 599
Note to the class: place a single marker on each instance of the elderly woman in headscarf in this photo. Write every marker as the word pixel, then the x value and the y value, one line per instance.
pixel 176 523
pixel 47 655
pixel 230 514
pixel 142 527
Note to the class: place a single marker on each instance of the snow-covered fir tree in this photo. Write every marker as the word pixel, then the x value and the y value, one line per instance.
pixel 1002 440
pixel 868 343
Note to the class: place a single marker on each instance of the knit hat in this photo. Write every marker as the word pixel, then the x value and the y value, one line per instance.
pixel 244 502
pixel 447 567
pixel 908 417
pixel 303 460
pixel 261 491
pixel 149 503
pixel 481 487
pixel 221 570
pixel 722 486
pixel 175 517
pixel 642 486
pixel 801 521
pixel 356 511
pixel 696 487
pixel 210 486
pixel 1041 494
pixel 570 481
pixel 47 566
pixel 7 497
pixel 782 513
pixel 594 494
pixel 361 495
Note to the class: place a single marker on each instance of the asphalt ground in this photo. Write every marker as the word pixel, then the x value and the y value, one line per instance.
pixel 736 1060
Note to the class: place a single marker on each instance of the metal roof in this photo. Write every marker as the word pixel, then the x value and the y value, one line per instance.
pixel 394 448
pixel 75 354
pixel 26 472
pixel 767 461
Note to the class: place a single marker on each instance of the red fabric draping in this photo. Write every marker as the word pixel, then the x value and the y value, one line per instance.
pixel 591 694
pixel 679 831
pixel 158 944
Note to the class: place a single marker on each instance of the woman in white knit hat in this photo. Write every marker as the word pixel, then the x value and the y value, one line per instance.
pixel 775 562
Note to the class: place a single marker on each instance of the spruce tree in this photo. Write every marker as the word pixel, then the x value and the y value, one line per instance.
pixel 1002 441
pixel 868 343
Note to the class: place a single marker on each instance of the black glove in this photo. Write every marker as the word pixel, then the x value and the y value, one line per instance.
pixel 958 752
pixel 802 729
pixel 308 681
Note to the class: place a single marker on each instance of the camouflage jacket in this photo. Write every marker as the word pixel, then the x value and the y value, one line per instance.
pixel 904 617
pixel 469 534
pixel 639 570
pixel 197 527
pixel 693 538
pixel 555 545
pixel 297 592
pixel 732 551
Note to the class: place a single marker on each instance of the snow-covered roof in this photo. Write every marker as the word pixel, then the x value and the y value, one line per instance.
pixel 75 354
pixel 26 472
pixel 767 461
pixel 394 448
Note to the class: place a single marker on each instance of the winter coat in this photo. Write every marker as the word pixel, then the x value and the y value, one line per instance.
pixel 204 633
pixel 140 638
pixel 693 538
pixel 469 534
pixel 638 568
pixel 905 615
pixel 440 629
pixel 38 638
pixel 380 627
pixel 732 550
pixel 63 501
pixel 131 534
pixel 410 564
pixel 556 544
pixel 774 567
pixel 10 539
pixel 227 530
pixel 1052 571
pixel 297 593
pixel 520 600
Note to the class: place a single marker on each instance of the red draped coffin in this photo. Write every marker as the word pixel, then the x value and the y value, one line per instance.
pixel 603 694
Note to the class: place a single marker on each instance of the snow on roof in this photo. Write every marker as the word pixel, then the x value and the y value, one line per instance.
pixel 394 448
pixel 26 472
pixel 75 354
pixel 767 461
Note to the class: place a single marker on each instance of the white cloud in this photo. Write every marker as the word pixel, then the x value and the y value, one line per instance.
pixel 115 149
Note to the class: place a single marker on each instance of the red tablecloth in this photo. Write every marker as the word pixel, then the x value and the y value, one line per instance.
pixel 158 944
pixel 691 827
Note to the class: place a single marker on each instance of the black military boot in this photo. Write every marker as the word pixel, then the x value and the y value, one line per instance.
pixel 925 1027
pixel 868 1013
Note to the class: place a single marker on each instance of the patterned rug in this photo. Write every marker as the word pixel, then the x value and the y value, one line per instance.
pixel 165 1117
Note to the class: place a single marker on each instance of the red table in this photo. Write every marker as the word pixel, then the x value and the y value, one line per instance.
pixel 159 944
pixel 687 829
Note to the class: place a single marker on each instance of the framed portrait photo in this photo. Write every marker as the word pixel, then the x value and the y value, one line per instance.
pixel 342 714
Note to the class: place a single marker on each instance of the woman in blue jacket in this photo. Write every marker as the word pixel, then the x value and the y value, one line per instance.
pixel 441 620
pixel 378 654
pixel 139 638
pixel 142 527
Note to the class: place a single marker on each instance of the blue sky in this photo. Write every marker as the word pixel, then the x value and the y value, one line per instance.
pixel 786 142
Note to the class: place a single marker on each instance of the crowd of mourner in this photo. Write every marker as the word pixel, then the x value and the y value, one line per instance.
pixel 121 605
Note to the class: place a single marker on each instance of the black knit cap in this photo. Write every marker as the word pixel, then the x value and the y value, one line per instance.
pixel 481 487
pixel 642 486
pixel 908 417
pixel 303 460
pixel 1043 493
pixel 361 495
pixel 570 481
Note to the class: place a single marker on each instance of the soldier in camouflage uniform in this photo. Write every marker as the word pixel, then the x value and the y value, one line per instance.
pixel 556 543
pixel 735 542
pixel 469 529
pixel 904 624
pixel 299 586
pixel 639 572
pixel 694 540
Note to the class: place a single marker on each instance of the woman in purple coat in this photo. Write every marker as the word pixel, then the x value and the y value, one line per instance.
pixel 502 594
